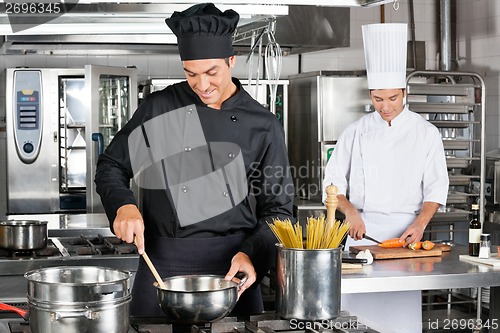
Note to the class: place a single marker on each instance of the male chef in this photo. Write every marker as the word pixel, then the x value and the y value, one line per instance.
pixel 205 154
pixel 390 169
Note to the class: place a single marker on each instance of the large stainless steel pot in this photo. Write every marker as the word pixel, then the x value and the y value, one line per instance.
pixel 23 234
pixel 197 298
pixel 308 283
pixel 78 299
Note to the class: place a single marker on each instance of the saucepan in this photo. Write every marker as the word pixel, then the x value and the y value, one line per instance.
pixel 193 299
pixel 23 234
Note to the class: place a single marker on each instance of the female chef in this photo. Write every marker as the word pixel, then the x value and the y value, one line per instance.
pixel 390 169
pixel 211 162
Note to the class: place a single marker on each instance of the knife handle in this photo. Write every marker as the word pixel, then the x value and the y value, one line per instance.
pixel 355 260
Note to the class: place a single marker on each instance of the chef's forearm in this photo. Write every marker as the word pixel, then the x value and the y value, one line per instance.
pixel 345 206
pixel 426 213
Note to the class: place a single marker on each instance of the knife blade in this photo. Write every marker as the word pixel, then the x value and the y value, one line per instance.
pixel 371 239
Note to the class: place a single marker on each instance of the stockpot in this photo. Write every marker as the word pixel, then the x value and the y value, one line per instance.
pixel 308 283
pixel 23 234
pixel 79 299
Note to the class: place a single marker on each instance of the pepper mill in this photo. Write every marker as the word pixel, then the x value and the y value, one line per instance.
pixel 331 203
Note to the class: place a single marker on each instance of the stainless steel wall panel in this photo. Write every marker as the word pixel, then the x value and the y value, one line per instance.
pixel 321 105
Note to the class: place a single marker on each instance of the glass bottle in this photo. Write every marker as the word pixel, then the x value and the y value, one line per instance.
pixel 474 232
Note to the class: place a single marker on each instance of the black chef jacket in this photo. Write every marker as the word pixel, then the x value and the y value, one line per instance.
pixel 242 121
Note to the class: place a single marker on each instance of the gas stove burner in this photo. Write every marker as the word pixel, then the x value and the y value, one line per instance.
pixel 49 251
pixel 97 246
pixel 153 328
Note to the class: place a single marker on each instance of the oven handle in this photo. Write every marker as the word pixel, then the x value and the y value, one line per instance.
pixel 100 142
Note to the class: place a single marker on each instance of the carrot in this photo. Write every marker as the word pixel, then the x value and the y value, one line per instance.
pixel 415 246
pixel 428 245
pixel 393 242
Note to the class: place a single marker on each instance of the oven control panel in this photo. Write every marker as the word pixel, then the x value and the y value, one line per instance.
pixel 27 114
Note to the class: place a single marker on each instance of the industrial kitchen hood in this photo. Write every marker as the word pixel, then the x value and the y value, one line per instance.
pixel 105 27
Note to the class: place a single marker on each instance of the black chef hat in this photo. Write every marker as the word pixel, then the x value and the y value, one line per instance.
pixel 204 32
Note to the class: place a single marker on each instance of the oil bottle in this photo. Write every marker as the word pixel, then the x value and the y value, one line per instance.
pixel 474 232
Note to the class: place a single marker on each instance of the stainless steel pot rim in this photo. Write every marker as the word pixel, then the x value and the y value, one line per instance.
pixel 231 284
pixel 22 222
pixel 35 276
pixel 76 305
pixel 281 247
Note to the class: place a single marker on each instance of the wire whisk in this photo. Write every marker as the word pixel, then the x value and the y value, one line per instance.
pixel 273 57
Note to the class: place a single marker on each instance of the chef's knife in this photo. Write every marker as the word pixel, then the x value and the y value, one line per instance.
pixel 371 239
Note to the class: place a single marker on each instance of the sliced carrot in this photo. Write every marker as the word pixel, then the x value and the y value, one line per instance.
pixel 415 246
pixel 428 245
pixel 393 242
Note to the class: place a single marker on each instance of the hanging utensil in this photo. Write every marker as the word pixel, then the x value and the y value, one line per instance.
pixel 273 61
pixel 256 41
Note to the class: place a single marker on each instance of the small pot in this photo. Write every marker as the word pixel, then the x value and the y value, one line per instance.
pixel 23 234
pixel 192 299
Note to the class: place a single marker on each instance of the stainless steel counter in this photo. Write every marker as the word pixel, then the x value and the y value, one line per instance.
pixel 428 273
pixel 425 273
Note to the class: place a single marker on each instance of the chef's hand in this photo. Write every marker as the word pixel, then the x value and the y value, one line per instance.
pixel 415 231
pixel 129 226
pixel 242 263
pixel 412 234
pixel 358 228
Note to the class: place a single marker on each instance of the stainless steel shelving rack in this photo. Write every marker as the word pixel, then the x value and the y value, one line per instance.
pixel 455 103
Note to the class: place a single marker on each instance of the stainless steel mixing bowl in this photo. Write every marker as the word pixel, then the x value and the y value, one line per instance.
pixel 197 298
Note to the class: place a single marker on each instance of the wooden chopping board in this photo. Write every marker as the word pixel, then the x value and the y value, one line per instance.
pixel 400 252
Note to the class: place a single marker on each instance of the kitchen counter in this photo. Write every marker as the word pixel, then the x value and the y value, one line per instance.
pixel 427 273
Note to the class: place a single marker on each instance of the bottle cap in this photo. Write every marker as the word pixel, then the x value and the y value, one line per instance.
pixel 485 237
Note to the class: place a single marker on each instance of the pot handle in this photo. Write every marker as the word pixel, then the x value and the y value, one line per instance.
pixel 55 316
pixel 108 289
pixel 242 281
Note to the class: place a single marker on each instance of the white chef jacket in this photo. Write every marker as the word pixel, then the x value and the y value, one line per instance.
pixel 389 169
pixel 388 172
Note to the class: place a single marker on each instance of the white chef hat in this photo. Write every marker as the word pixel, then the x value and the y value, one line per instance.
pixel 385 55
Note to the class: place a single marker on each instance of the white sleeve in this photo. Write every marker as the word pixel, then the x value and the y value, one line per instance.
pixel 338 168
pixel 435 181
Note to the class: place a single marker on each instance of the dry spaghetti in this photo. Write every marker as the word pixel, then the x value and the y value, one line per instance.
pixel 319 233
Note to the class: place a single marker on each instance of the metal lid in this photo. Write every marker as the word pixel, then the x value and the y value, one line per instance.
pixel 485 237
pixel 22 222
pixel 70 284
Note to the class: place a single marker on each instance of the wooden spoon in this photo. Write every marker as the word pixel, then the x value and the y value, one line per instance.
pixel 152 268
